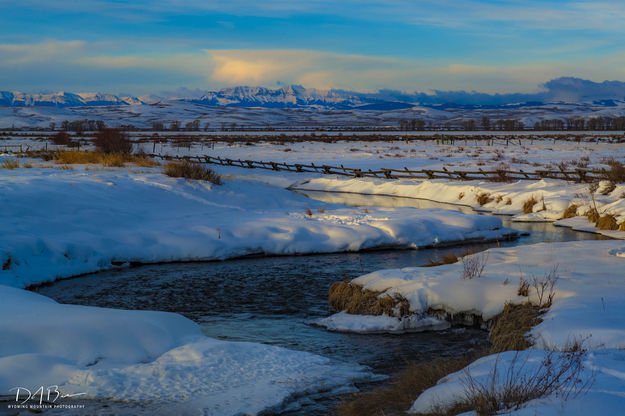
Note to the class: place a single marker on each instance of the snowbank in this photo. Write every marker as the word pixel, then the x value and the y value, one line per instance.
pixel 588 307
pixel 158 358
pixel 57 223
pixel 603 396
pixel 589 301
pixel 552 197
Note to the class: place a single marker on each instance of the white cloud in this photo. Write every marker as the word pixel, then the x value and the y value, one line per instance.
pixel 18 54
pixel 82 65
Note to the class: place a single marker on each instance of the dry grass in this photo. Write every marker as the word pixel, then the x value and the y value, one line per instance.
pixel 10 164
pixel 510 327
pixel 398 395
pixel 484 198
pixel 616 173
pixel 607 222
pixel 461 195
pixel 473 266
pixel 559 373
pixel 622 226
pixel 593 215
pixel 570 212
pixel 449 258
pixel 528 205
pixel 73 157
pixel 351 298
pixel 193 171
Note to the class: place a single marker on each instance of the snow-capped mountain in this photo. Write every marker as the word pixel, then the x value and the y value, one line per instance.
pixel 60 99
pixel 293 96
pixel 565 90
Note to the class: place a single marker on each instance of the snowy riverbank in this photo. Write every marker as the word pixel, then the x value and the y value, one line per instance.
pixel 551 198
pixel 587 308
pixel 59 223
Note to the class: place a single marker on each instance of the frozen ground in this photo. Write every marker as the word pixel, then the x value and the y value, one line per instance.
pixel 63 222
pixel 587 308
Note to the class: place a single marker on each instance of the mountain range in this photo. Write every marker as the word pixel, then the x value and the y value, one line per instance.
pixel 559 90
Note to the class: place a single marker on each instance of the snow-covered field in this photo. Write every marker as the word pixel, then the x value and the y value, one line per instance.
pixel 60 222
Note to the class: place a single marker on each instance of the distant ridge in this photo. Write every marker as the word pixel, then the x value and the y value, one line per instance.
pixel 559 90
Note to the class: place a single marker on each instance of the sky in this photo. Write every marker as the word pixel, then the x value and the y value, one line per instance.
pixel 142 46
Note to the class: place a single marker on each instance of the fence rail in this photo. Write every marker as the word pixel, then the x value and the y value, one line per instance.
pixel 577 175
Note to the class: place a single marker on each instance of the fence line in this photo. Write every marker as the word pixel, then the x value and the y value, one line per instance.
pixel 578 175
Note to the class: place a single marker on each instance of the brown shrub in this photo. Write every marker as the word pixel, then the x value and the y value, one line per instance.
pixel 190 170
pixel 616 173
pixel 528 205
pixel 484 198
pixel 473 266
pixel 607 222
pixel 570 212
pixel 112 141
pixel 62 139
pixel 351 298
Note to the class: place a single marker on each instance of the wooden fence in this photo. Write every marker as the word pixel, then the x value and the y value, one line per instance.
pixel 498 175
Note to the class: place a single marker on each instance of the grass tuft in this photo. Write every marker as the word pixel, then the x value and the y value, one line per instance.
pixel 10 164
pixel 510 327
pixel 607 222
pixel 484 198
pixel 353 299
pixel 570 212
pixel 593 215
pixel 528 205
pixel 193 171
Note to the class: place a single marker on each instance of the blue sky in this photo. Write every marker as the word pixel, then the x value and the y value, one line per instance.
pixel 143 46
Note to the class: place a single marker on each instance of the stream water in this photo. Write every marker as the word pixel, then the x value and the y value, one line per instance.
pixel 272 299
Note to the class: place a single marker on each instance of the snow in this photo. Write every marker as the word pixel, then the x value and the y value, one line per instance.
pixel 552 197
pixel 368 324
pixel 79 221
pixel 588 307
pixel 604 396
pixel 586 302
pixel 63 222
pixel 157 357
